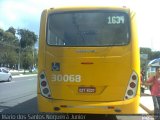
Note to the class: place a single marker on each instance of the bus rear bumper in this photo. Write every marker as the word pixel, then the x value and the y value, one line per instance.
pixel 62 106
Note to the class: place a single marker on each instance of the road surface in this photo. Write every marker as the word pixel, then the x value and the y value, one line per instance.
pixel 19 95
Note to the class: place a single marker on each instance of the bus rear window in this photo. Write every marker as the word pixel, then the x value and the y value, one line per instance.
pixel 88 28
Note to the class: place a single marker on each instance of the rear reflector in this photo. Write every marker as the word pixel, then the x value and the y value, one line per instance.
pixel 44 87
pixel 43 83
pixel 130 92
pixel 134 77
pixel 132 86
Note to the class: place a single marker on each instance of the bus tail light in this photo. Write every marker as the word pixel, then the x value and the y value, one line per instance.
pixel 44 87
pixel 132 86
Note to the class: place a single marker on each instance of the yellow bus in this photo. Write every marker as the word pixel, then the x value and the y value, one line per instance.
pixel 88 60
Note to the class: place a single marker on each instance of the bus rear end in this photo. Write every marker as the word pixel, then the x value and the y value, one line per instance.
pixel 88 61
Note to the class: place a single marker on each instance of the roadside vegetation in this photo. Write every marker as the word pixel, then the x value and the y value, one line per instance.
pixel 17 49
pixel 150 56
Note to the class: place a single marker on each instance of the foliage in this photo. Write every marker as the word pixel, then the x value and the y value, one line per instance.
pixel 27 60
pixel 151 55
pixel 8 43
pixel 27 41
pixel 11 30
pixel 14 50
pixel 1 34
pixel 27 38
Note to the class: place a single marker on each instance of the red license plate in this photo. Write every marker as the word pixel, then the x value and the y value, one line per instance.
pixel 86 89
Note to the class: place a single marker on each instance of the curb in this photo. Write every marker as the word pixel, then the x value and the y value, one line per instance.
pixel 146 109
pixel 149 111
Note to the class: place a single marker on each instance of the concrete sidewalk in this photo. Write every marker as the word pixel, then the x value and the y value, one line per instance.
pixel 21 75
pixel 146 103
pixel 17 72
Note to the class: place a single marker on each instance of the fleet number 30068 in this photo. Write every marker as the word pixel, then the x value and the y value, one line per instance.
pixel 66 78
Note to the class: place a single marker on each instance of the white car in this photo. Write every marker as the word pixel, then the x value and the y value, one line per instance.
pixel 5 75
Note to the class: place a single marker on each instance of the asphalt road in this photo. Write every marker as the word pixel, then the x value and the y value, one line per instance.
pixel 19 97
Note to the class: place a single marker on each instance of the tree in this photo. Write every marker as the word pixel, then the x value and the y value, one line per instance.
pixel 151 55
pixel 1 45
pixel 155 54
pixel 26 60
pixel 27 38
pixel 1 34
pixel 11 30
pixel 9 57
pixel 27 41
pixel 147 51
pixel 14 50
pixel 8 45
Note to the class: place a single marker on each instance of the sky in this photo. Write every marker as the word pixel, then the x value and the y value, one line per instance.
pixel 25 14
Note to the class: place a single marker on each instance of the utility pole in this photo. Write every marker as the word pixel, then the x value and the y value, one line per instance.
pixel 33 58
pixel 19 53
pixel 19 59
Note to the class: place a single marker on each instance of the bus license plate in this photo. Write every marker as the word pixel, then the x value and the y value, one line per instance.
pixel 86 89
